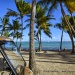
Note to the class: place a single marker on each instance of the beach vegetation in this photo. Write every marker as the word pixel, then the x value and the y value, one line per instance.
pixel 53 4
pixel 23 9
pixel 3 26
pixel 42 21
pixel 71 35
pixel 64 28
pixel 40 16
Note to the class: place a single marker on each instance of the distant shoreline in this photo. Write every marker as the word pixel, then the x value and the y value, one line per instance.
pixel 25 49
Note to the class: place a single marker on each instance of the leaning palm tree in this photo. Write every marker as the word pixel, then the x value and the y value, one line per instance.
pixel 64 27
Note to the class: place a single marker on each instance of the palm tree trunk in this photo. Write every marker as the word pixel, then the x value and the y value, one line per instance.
pixel 32 63
pixel 21 33
pixel 40 46
pixel 72 43
pixel 69 26
pixel 39 38
pixel 65 18
pixel 61 40
pixel 71 29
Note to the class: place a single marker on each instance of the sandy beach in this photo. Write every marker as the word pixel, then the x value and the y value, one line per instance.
pixel 53 63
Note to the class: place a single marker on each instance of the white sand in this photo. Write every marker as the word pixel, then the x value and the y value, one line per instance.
pixel 53 63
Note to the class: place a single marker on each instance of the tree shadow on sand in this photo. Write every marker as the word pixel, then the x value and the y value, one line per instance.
pixel 54 57
pixel 66 57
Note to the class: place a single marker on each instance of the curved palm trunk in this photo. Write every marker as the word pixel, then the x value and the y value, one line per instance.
pixel 32 63
pixel 61 40
pixel 72 43
pixel 65 18
pixel 40 45
pixel 39 39
pixel 68 24
pixel 71 29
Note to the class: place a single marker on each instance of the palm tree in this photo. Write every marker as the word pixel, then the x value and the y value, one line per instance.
pixel 64 27
pixel 71 19
pixel 23 9
pixel 69 4
pixel 32 63
pixel 14 27
pixel 42 23
pixel 4 24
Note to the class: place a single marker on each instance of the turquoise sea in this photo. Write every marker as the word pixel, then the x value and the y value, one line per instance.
pixel 55 45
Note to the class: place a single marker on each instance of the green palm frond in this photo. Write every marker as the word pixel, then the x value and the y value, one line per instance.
pixel 11 13
pixel 6 33
pixel 5 20
pixel 18 35
pixel 49 25
pixel 16 25
pixel 28 20
pixel 48 33
pixel 23 7
pixel 27 26
pixel 42 20
pixel 51 4
pixel 58 25
pixel 45 2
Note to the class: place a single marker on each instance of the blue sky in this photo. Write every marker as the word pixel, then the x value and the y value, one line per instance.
pixel 56 33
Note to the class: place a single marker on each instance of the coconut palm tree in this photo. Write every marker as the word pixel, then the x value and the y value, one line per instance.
pixel 42 23
pixel 23 9
pixel 69 4
pixel 64 27
pixel 15 28
pixel 32 63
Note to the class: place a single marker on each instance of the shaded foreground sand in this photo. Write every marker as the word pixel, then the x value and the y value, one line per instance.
pixel 52 63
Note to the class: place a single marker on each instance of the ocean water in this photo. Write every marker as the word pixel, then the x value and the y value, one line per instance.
pixel 48 45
